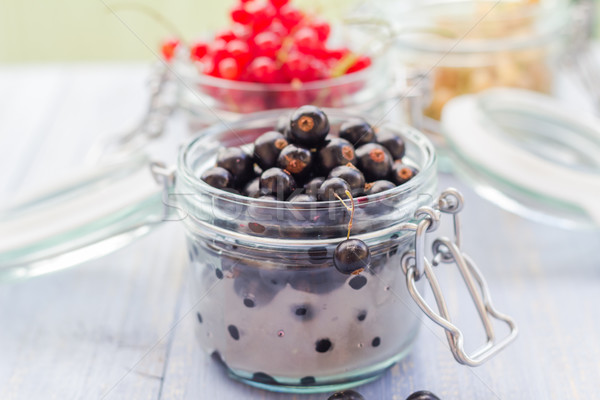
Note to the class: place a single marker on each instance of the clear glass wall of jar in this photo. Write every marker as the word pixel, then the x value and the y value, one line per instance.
pixel 276 311
pixel 470 46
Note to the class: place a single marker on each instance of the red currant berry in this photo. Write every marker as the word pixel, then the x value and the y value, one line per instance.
pixel 198 51
pixel 338 54
pixel 322 28
pixel 226 35
pixel 296 66
pixel 267 44
pixel 262 15
pixel 218 50
pixel 263 69
pixel 360 64
pixel 240 15
pixel 306 39
pixel 168 48
pixel 279 3
pixel 290 16
pixel 240 51
pixel 229 69
pixel 278 29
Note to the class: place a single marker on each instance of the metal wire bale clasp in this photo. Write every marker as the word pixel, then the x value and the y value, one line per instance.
pixel 416 265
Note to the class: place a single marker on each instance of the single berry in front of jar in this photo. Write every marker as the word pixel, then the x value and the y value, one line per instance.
pixel 218 177
pixel 331 187
pixel 236 161
pixel 337 152
pixel 309 125
pixel 357 131
pixel 402 173
pixel 351 175
pixel 351 256
pixel 267 148
pixel 346 395
pixel 422 395
pixel 374 161
pixel 296 160
pixel 393 143
pixel 277 182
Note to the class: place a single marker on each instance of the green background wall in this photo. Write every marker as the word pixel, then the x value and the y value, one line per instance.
pixel 74 30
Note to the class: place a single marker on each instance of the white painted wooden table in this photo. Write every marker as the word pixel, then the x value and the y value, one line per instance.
pixel 121 327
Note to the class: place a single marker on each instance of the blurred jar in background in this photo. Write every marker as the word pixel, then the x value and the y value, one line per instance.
pixel 469 46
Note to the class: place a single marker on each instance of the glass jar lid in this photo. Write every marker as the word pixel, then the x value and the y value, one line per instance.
pixel 525 152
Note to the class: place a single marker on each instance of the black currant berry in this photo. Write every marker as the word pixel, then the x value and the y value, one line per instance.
pixel 331 187
pixel 218 177
pixel 351 255
pixel 351 175
pixel 236 161
pixel 277 182
pixel 302 198
pixel 312 187
pixel 309 125
pixel 374 161
pixel 422 395
pixel 346 395
pixel 357 131
pixel 378 187
pixel 337 152
pixel 252 189
pixel 393 143
pixel 267 148
pixel 402 173
pixel 296 160
pixel 283 124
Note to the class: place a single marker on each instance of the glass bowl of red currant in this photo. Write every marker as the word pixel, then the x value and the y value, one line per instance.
pixel 295 238
pixel 273 55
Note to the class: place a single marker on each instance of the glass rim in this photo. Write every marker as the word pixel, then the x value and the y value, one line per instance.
pixel 553 16
pixel 186 172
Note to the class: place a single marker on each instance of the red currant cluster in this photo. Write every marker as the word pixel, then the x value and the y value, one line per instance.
pixel 273 42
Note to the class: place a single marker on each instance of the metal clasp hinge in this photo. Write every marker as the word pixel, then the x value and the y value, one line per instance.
pixel 416 265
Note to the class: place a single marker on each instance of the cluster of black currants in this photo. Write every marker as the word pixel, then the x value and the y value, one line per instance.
pixel 301 161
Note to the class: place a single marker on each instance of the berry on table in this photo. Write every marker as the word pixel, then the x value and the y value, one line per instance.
pixel 374 161
pixel 309 125
pixel 346 395
pixel 422 395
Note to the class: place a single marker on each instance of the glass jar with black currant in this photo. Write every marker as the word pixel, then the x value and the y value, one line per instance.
pixel 306 245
